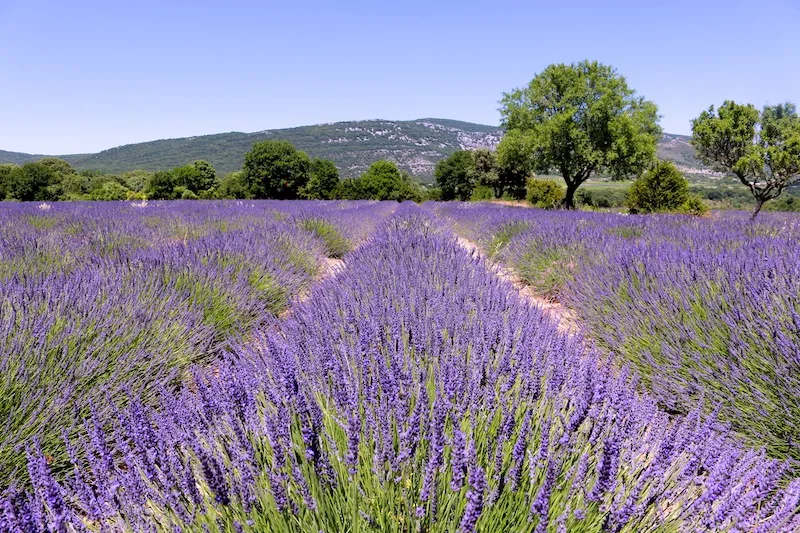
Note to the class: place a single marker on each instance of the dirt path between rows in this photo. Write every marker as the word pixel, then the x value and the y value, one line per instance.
pixel 564 317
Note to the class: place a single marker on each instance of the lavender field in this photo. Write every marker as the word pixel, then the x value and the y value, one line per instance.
pixel 372 366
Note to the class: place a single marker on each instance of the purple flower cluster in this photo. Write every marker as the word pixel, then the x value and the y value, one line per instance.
pixel 108 300
pixel 705 309
pixel 416 390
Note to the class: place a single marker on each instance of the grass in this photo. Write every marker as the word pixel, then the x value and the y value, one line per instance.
pixel 336 244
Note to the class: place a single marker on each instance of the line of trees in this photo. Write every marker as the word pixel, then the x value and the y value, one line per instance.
pixel 583 120
pixel 578 121
pixel 272 169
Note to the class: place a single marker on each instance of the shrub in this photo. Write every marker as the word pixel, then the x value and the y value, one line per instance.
pixel 189 195
pixel 694 206
pixel 660 189
pixel 602 198
pixel 110 190
pixel 481 193
pixel 546 194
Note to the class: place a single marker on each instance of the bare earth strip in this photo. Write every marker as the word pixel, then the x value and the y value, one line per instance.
pixel 564 317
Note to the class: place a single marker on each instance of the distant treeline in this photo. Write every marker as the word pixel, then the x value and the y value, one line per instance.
pixel 276 169
pixel 272 169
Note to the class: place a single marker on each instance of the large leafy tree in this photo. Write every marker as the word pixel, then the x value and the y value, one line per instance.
pixel 762 149
pixel 6 171
pixel 514 163
pixel 382 181
pixel 454 176
pixel 160 186
pixel 583 119
pixel 32 182
pixel 484 170
pixel 234 186
pixel 276 169
pixel 196 177
pixel 322 182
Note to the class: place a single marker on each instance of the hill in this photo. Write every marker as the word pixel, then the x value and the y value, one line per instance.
pixel 415 145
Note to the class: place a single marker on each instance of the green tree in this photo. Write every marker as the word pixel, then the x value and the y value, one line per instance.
pixel 454 176
pixel 349 189
pixel 382 181
pixel 484 171
pixel 234 186
pixel 275 169
pixel 32 182
pixel 322 182
pixel 110 190
pixel 59 166
pixel 160 186
pixel 583 119
pixel 659 189
pixel 546 194
pixel 196 177
pixel 761 149
pixel 135 180
pixel 5 180
pixel 514 163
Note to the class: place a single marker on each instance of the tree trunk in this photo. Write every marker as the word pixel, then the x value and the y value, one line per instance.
pixel 759 205
pixel 569 197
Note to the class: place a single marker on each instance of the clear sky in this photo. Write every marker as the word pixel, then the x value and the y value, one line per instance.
pixel 82 76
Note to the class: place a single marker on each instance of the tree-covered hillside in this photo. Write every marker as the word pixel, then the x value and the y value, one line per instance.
pixel 416 146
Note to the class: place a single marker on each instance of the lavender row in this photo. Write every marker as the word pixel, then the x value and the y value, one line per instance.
pixel 414 391
pixel 704 308
pixel 112 300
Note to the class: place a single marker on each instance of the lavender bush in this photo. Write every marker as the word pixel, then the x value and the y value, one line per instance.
pixel 416 391
pixel 704 309
pixel 106 301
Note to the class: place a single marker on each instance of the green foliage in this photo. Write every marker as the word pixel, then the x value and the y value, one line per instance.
pixel 322 182
pixel 484 172
pixel 160 186
pixel 581 119
pixel 433 194
pixel 110 190
pixel 5 180
pixel 787 202
pixel 382 181
pixel 196 177
pixel 275 169
pixel 454 176
pixel 504 234
pixel 547 271
pixel 546 194
pixel 234 185
pixel 186 194
pixel 762 149
pixel 32 182
pixel 336 244
pixel 660 189
pixel 694 206
pixel 514 164
pixel 136 179
pixel 602 198
pixel 481 193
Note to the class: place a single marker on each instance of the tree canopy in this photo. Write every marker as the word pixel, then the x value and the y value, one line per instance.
pixel 322 182
pixel 762 149
pixel 582 119
pixel 276 169
pixel 454 176
pixel 382 181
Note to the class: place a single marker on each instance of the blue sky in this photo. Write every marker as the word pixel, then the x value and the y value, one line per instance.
pixel 82 76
